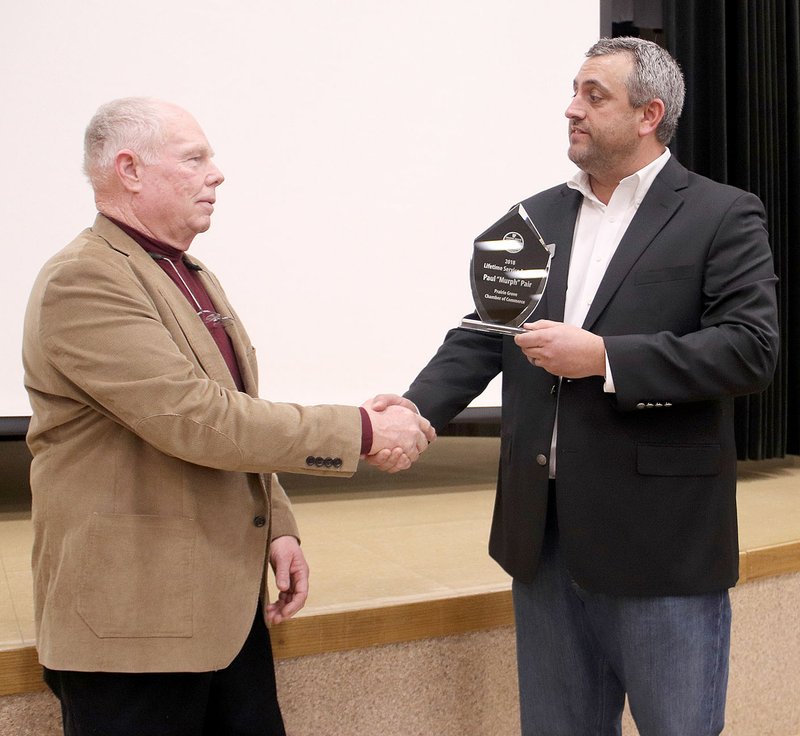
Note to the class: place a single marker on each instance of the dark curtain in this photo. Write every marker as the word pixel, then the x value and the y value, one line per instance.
pixel 741 126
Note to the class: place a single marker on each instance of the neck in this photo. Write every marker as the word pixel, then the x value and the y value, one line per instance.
pixel 603 189
pixel 148 243
pixel 127 216
pixel 605 181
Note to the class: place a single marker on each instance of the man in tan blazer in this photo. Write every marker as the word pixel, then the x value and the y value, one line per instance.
pixel 155 507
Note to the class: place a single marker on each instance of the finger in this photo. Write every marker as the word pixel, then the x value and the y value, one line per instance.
pixel 403 463
pixel 385 459
pixel 294 605
pixel 276 615
pixel 274 610
pixel 411 450
pixel 526 339
pixel 391 458
pixel 295 601
pixel 398 461
pixel 379 458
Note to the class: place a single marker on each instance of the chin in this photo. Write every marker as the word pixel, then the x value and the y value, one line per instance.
pixel 579 156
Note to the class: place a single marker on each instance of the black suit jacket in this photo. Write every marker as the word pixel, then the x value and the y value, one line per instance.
pixel 646 477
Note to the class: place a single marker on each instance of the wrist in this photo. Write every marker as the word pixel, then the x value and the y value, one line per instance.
pixel 366 431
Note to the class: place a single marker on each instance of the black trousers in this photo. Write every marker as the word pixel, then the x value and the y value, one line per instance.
pixel 240 700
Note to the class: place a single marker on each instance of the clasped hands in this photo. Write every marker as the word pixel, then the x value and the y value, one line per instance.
pixel 399 433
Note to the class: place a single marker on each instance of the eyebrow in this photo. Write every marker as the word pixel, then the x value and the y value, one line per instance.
pixel 197 150
pixel 590 83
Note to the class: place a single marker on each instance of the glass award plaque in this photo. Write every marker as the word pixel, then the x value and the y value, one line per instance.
pixel 510 264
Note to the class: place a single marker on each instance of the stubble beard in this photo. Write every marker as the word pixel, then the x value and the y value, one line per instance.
pixel 598 160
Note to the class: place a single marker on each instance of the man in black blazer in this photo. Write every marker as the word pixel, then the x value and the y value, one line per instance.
pixel 616 501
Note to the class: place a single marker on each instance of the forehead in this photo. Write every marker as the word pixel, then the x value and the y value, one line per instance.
pixel 610 71
pixel 182 130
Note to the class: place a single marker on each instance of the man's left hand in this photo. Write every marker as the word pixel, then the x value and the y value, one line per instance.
pixel 563 350
pixel 291 576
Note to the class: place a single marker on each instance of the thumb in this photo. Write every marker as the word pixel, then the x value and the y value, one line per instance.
pixel 280 565
pixel 379 403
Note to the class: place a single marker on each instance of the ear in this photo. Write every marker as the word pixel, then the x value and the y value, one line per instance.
pixel 128 167
pixel 652 115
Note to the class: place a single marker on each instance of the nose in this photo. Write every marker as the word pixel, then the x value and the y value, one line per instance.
pixel 574 110
pixel 215 177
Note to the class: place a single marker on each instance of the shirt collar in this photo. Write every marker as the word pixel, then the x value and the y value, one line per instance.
pixel 637 183
pixel 149 244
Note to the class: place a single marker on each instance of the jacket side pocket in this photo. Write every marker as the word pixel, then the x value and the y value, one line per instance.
pixel 136 576
pixel 678 460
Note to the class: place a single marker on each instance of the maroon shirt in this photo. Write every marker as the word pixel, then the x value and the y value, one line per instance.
pixel 184 274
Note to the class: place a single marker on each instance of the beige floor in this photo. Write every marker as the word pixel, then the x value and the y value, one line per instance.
pixel 380 540
pixel 16 596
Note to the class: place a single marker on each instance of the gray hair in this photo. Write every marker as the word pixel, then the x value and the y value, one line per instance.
pixel 655 75
pixel 136 123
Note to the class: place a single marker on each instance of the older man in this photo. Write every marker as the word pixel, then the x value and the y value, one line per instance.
pixel 616 503
pixel 154 519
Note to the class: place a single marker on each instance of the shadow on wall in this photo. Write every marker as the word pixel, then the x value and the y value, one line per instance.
pixel 15 462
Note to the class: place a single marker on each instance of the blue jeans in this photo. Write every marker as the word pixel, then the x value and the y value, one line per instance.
pixel 579 653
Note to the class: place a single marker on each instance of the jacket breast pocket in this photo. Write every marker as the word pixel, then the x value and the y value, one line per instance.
pixel 136 576
pixel 678 460
pixel 659 275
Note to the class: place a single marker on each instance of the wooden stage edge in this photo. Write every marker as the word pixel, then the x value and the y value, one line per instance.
pixel 322 633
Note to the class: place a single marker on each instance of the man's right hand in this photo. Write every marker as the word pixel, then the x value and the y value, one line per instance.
pixel 399 435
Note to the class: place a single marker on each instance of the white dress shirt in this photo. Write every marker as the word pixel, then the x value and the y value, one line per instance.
pixel 598 231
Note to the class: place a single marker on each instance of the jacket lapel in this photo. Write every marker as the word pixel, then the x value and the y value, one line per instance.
pixel 559 228
pixel 202 345
pixel 239 338
pixel 196 333
pixel 657 208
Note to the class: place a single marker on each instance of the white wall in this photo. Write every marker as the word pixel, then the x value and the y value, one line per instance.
pixel 365 144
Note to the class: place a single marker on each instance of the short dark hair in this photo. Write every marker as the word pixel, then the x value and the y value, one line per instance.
pixel 655 75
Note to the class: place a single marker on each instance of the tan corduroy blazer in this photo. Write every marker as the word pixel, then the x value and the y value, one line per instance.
pixel 151 512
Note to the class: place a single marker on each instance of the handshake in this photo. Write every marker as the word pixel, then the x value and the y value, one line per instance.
pixel 399 433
